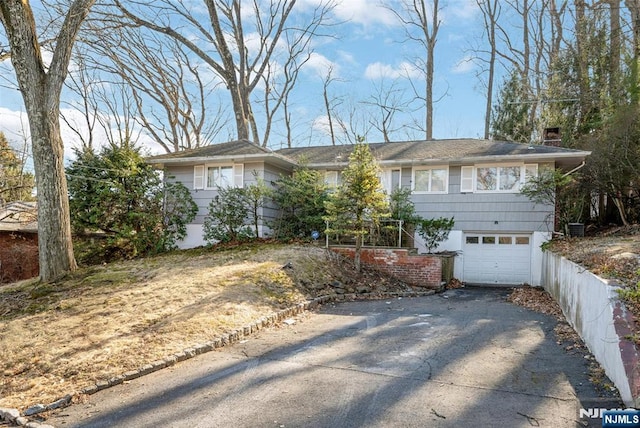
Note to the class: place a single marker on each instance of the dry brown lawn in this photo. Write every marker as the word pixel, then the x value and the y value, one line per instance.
pixel 100 322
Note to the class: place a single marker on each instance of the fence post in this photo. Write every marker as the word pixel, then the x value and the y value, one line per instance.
pixel 400 234
pixel 326 235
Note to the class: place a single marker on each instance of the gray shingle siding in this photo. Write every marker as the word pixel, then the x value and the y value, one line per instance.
pixel 202 197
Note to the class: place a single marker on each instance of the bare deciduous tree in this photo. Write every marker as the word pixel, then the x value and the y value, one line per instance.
pixel 490 14
pixel 421 22
pixel 242 51
pixel 164 90
pixel 41 87
pixel 386 102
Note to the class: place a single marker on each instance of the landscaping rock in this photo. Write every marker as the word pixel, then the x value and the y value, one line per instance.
pixel 9 415
pixel 34 410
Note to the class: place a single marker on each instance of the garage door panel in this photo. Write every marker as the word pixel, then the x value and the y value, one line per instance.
pixel 491 258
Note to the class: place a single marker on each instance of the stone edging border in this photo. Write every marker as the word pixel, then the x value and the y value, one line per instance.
pixel 13 416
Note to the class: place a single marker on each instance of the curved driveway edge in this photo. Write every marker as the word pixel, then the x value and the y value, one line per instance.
pixel 14 416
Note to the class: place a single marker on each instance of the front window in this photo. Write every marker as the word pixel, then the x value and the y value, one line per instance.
pixel 501 178
pixel 219 176
pixel 332 179
pixel 509 177
pixel 390 180
pixel 430 180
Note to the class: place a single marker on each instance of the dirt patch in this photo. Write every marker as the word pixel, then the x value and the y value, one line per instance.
pixel 611 254
pixel 103 321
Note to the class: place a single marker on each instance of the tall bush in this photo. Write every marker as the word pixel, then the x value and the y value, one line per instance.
pixel 115 192
pixel 227 219
pixel 300 199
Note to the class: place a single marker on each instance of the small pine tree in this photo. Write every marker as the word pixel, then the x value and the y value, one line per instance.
pixel 359 200
pixel 510 117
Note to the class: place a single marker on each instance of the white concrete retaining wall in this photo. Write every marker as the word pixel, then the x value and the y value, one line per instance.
pixel 592 307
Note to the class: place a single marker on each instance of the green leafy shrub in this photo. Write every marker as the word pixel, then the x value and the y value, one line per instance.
pixel 300 198
pixel 227 218
pixel 116 194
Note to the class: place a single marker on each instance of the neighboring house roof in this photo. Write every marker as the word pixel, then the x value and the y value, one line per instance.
pixel 452 151
pixel 19 217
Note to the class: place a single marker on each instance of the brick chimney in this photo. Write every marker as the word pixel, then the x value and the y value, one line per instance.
pixel 551 137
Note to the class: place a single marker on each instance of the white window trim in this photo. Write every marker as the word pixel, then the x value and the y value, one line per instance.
pixel 237 177
pixel 332 179
pixel 426 168
pixel 386 179
pixel 523 177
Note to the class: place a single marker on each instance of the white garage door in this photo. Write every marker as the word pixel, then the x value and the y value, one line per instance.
pixel 492 258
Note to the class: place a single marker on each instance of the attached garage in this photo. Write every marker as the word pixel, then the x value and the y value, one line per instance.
pixel 497 258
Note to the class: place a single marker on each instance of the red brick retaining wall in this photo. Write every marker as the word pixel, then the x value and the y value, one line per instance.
pixel 18 256
pixel 423 270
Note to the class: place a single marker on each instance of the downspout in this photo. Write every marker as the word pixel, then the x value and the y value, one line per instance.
pixel 574 169
pixel 567 174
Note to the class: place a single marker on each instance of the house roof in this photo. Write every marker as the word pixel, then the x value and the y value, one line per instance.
pixel 435 151
pixel 19 217
pixel 451 151
pixel 235 151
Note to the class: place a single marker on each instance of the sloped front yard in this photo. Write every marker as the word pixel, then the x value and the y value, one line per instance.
pixel 104 321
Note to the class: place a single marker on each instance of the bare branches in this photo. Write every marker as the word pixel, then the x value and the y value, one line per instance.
pixel 250 50
pixel 421 24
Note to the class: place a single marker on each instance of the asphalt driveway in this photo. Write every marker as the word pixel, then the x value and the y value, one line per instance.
pixel 464 358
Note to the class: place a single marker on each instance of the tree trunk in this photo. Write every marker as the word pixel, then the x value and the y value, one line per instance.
pixel 431 46
pixel 41 90
pixel 634 11
pixel 55 245
pixel 490 11
pixel 582 57
pixel 614 69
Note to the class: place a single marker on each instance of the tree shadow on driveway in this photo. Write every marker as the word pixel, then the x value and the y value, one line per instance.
pixel 461 358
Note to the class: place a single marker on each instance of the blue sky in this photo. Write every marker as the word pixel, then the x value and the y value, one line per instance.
pixel 368 51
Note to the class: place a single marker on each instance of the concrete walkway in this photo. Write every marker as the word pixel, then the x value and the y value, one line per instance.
pixel 464 358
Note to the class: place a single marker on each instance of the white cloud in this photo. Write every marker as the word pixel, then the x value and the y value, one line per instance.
pixel 378 70
pixel 321 124
pixel 462 9
pixel 13 124
pixel 465 65
pixel 346 57
pixel 320 65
